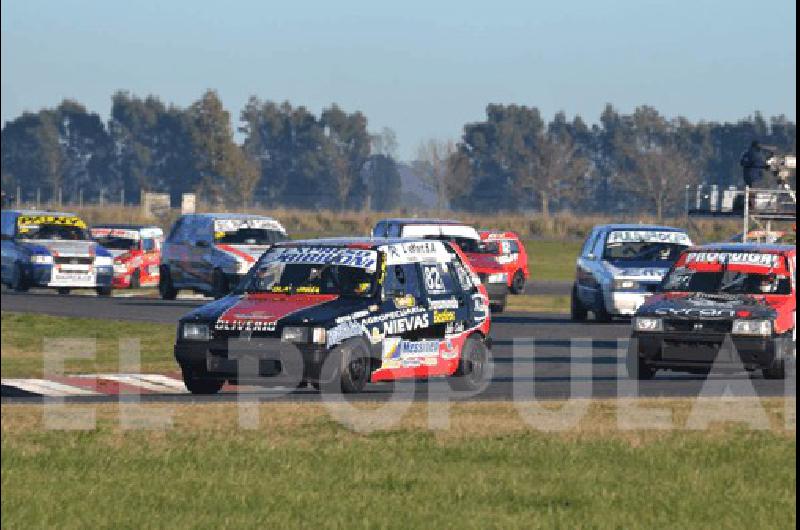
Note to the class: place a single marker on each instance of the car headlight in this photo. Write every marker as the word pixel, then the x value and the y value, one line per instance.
pixel 752 327
pixel 648 324
pixel 303 335
pixel 42 259
pixel 497 277
pixel 103 261
pixel 193 331
pixel 625 285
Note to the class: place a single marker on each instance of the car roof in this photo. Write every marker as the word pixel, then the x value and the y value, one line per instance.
pixel 228 215
pixel 123 226
pixel 371 242
pixel 44 212
pixel 746 247
pixel 631 226
pixel 421 221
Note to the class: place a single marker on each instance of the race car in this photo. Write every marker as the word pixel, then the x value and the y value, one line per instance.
pixel 510 254
pixel 340 313
pixel 620 266
pixel 717 295
pixel 136 250
pixel 211 252
pixel 482 260
pixel 53 250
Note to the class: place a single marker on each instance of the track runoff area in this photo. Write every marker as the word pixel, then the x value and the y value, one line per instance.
pixel 535 356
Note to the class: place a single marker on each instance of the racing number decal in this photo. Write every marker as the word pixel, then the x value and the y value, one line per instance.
pixel 433 279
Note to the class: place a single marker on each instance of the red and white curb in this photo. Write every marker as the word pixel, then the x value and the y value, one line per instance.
pixel 98 385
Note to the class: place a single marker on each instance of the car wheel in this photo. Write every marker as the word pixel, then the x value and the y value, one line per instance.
pixel 136 279
pixel 638 367
pixel 777 370
pixel 103 291
pixel 577 311
pixel 199 381
pixel 18 282
pixel 353 368
pixel 518 283
pixel 473 367
pixel 601 314
pixel 63 290
pixel 219 284
pixel 166 289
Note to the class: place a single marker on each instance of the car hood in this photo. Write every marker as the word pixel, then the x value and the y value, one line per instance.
pixel 268 310
pixel 695 305
pixel 484 262
pixel 70 248
pixel 638 270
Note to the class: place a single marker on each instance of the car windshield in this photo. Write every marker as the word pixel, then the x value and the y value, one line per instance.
pixel 118 243
pixel 303 278
pixel 249 236
pixel 642 251
pixel 54 232
pixel 467 244
pixel 683 279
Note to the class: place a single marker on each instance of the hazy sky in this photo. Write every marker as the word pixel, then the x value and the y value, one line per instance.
pixel 423 68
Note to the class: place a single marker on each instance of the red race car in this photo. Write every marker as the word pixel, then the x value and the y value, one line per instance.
pixel 510 254
pixel 136 250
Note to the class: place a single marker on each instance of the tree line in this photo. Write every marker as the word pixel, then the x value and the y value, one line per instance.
pixel 289 156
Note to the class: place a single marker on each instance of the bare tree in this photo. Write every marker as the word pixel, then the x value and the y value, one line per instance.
pixel 433 164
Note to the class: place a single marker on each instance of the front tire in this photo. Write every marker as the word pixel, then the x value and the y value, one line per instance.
pixel 777 370
pixel 352 368
pixel 136 280
pixel 578 312
pixel 199 381
pixel 166 289
pixel 18 282
pixel 601 314
pixel 638 367
pixel 219 284
pixel 518 283
pixel 103 291
pixel 473 367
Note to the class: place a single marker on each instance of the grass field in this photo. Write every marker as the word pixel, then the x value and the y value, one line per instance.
pixel 23 335
pixel 299 468
pixel 543 303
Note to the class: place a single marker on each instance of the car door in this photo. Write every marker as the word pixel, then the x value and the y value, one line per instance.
pixel 149 250
pixel 200 252
pixel 446 300
pixel 587 264
pixel 174 253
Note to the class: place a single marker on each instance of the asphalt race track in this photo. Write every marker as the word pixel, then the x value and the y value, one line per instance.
pixel 539 366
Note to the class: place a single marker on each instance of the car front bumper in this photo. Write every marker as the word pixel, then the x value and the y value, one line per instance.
pixel 45 276
pixel 699 351
pixel 625 303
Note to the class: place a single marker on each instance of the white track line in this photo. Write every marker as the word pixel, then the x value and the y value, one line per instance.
pixel 48 388
pixel 164 380
pixel 139 381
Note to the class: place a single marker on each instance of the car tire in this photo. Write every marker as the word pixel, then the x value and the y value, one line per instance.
pixel 166 289
pixel 637 367
pixel 199 381
pixel 103 291
pixel 18 282
pixel 352 369
pixel 136 280
pixel 219 284
pixel 777 370
pixel 601 314
pixel 472 372
pixel 518 283
pixel 578 312
pixel 63 291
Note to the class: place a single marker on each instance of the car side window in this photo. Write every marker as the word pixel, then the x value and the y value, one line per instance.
pixel 599 245
pixel 402 279
pixel 588 244
pixel 177 234
pixel 148 245
pixel 394 230
pixel 379 230
pixel 513 247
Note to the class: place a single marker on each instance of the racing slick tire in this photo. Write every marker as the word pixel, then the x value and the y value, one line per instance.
pixel 136 280
pixel 166 289
pixel 351 365
pixel 103 291
pixel 601 314
pixel 63 291
pixel 637 367
pixel 518 283
pixel 18 282
pixel 577 311
pixel 219 284
pixel 198 381
pixel 472 372
pixel 778 368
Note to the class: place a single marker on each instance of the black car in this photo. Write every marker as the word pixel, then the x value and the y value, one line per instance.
pixel 340 313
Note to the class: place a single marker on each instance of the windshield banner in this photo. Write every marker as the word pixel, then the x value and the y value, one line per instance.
pixel 753 259
pixel 350 257
pixel 234 225
pixel 649 236
pixel 27 222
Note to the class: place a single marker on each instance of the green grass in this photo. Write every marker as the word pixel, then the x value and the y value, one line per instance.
pixel 538 303
pixel 552 260
pixel 24 335
pixel 301 469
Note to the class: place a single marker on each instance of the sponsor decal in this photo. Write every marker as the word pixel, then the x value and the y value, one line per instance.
pixel 454 328
pixel 449 303
pixel 234 225
pixel 27 222
pixel 649 236
pixel 756 259
pixel 403 302
pixel 434 283
pixel 405 353
pixel 344 331
pixel 351 257
pixel 701 312
pixel 442 317
pixel 416 252
pixel 119 233
pixel 244 325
